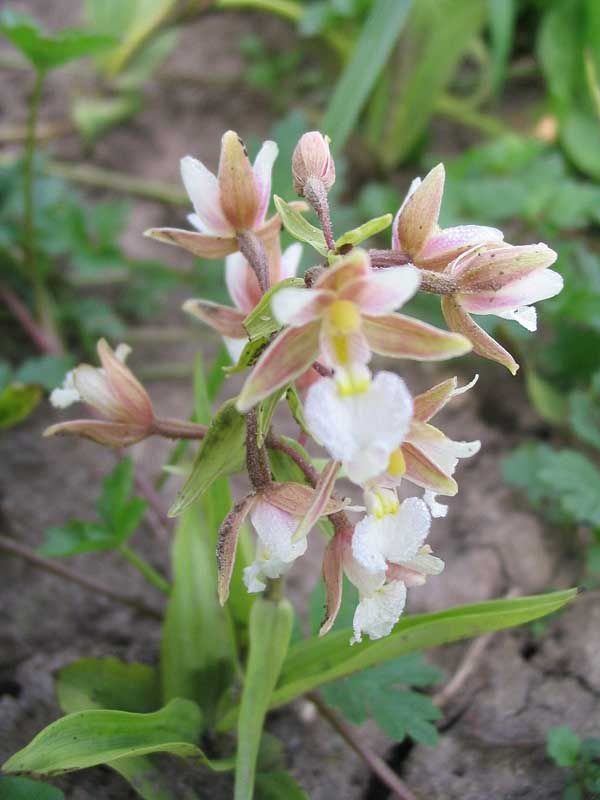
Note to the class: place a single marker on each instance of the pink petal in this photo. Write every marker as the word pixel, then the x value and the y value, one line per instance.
pixel 290 261
pixel 203 190
pixel 290 354
pixel 295 306
pixel 110 434
pixel 383 291
pixel 298 499
pixel 537 286
pixel 321 500
pixel 447 244
pixel 200 244
pixel 242 283
pixel 403 337
pixel 433 400
pixel 224 319
pixel 483 344
pixel 415 183
pixel 494 269
pixel 418 219
pixel 229 533
pixel 237 185
pixel 124 386
pixel 333 573
pixel 263 167
pixel 422 471
pixel 350 268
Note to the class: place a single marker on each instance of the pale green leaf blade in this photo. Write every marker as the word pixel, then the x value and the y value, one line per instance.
pixel 88 738
pixel 26 789
pixel 269 631
pixel 260 322
pixel 278 786
pixel 222 452
pixel 17 402
pixel 108 683
pixel 365 231
pixel 299 227
pixel 380 32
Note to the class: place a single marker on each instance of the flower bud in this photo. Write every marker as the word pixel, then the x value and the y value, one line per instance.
pixel 312 160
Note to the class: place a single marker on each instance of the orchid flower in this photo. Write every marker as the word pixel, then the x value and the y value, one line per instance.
pixel 342 319
pixel 244 290
pixel 114 392
pixel 504 281
pixel 427 457
pixel 416 231
pixel 382 557
pixel 232 202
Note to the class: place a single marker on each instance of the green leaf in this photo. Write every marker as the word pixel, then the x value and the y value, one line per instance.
pixel 45 371
pixel 364 231
pixel 295 404
pixel 299 227
pixel 108 683
pixel 26 789
pixel 197 647
pixel 221 452
pixel 547 401
pixel 318 661
pixel 120 513
pixel 437 34
pixel 381 693
pixel 17 402
pixel 260 322
pixel 75 537
pixel 93 116
pixel 584 417
pixel 502 16
pixel 88 738
pixel 579 134
pixel 269 631
pixel 277 786
pixel 563 746
pixel 46 52
pixel 372 50
pixel 250 355
pixel 265 414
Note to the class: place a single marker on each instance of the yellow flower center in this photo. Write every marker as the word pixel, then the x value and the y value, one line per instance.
pixel 396 465
pixel 383 502
pixel 344 316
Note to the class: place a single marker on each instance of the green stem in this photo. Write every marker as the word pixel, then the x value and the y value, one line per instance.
pixel 151 575
pixel 29 244
pixel 465 114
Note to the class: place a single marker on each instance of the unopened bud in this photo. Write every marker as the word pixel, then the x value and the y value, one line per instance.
pixel 312 160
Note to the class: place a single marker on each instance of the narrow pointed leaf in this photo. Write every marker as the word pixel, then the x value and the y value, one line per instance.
pixel 365 231
pixel 260 321
pixel 299 227
pixel 221 452
pixel 88 738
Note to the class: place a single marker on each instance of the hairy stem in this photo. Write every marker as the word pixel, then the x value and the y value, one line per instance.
pixel 151 575
pixel 435 283
pixel 257 461
pixel 388 258
pixel 316 194
pixel 8 545
pixel 178 429
pixel 377 765
pixel 255 254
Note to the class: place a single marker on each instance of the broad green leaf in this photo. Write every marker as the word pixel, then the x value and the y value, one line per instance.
pixel 315 661
pixel 46 371
pixel 113 684
pixel 48 51
pixel 260 322
pixel 197 648
pixel 299 227
pixel 584 417
pixel 372 50
pixel 17 402
pixel 501 19
pixel 437 34
pixel 365 231
pixel 550 404
pixel 120 513
pixel 75 537
pixel 93 116
pixel 559 49
pixel 563 746
pixel 277 786
pixel 146 61
pixel 26 789
pixel 269 631
pixel 580 134
pixel 88 738
pixel 108 683
pixel 221 452
pixel 250 355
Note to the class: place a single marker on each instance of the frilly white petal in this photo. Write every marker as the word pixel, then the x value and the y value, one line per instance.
pixel 360 430
pixel 65 395
pixel 275 551
pixel 525 316
pixel 377 614
pixel 436 509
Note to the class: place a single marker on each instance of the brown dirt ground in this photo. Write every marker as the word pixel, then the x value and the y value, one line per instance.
pixel 494 729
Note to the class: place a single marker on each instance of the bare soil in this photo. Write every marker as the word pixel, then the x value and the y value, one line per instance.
pixel 494 729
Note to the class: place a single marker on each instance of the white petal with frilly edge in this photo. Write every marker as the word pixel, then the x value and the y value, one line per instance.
pixel 377 613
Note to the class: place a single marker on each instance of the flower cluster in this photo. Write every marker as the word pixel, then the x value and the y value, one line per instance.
pixel 325 333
